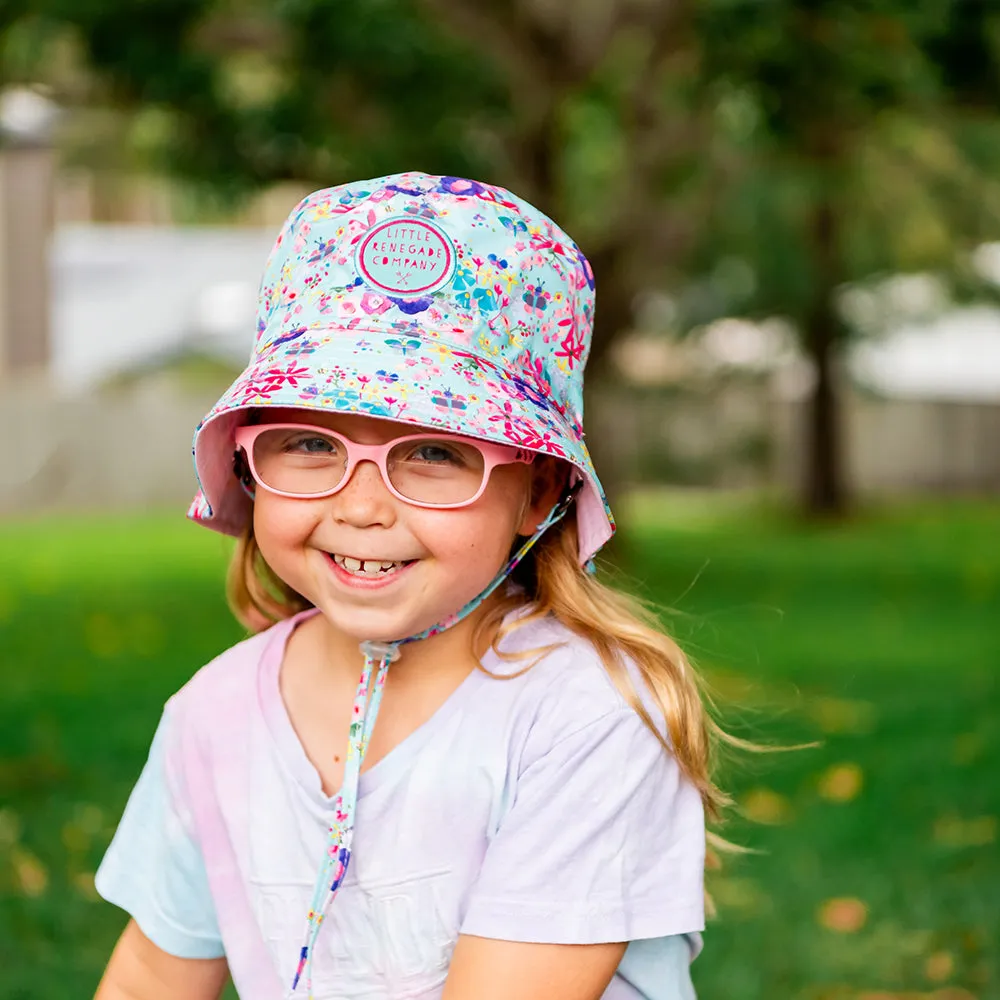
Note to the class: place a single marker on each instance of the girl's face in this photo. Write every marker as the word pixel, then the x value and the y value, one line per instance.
pixel 451 555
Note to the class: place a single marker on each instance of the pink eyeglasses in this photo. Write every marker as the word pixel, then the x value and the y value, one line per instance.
pixel 427 470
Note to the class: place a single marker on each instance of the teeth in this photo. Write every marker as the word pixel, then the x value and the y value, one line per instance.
pixel 365 567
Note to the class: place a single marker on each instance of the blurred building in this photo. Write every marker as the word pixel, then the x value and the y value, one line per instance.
pixel 727 406
pixel 133 298
pixel 145 323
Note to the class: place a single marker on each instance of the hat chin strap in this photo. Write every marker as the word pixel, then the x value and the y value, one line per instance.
pixel 381 651
pixel 378 655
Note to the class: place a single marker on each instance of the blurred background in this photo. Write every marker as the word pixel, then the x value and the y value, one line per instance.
pixel 793 213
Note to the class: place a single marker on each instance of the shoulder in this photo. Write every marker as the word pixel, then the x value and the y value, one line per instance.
pixel 568 690
pixel 228 685
pixel 557 660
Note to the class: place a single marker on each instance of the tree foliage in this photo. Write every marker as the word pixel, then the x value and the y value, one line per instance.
pixel 862 139
pixel 814 143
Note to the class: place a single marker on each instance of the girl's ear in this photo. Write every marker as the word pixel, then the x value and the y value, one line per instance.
pixel 548 483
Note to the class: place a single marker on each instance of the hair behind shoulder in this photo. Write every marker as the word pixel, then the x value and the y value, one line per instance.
pixel 621 629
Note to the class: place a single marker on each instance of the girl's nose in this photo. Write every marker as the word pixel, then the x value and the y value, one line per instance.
pixel 364 500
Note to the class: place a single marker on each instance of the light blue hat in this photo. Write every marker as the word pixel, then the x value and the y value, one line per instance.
pixel 434 301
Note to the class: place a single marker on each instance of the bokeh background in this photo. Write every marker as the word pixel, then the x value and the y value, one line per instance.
pixel 793 212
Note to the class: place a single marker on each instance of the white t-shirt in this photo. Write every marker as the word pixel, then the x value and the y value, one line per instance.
pixel 534 808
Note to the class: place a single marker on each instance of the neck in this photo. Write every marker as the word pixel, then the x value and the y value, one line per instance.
pixel 453 651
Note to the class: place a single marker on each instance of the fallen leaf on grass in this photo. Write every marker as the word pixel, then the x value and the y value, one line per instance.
pixel 763 805
pixel 844 915
pixel 939 966
pixel 841 782
pixel 953 831
pixel 30 875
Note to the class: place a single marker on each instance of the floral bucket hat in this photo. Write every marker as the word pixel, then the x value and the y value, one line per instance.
pixel 434 301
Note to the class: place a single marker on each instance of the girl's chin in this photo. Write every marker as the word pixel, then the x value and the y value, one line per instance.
pixel 355 626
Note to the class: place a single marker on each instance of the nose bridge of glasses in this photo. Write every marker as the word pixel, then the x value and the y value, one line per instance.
pixel 359 455
pixel 356 466
pixel 374 453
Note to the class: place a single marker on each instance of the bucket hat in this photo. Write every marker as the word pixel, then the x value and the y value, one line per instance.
pixel 439 302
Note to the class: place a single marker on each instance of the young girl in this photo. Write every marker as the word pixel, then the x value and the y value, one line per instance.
pixel 403 463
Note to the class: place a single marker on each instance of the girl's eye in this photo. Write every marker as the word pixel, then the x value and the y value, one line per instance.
pixel 435 453
pixel 311 445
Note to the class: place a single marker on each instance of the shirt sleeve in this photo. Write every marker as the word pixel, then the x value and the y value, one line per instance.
pixel 604 841
pixel 154 869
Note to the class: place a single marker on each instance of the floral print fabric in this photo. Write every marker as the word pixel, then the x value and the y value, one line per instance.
pixel 435 301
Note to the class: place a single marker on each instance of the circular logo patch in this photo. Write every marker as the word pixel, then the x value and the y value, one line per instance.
pixel 406 256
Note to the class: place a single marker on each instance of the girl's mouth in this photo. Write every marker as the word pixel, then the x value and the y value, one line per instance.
pixel 366 572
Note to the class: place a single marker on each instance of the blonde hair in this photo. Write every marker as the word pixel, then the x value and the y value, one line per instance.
pixel 620 627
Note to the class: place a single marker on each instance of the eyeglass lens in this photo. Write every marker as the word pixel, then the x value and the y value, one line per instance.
pixel 427 470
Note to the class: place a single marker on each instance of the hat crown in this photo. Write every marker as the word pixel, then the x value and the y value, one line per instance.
pixel 437 302
pixel 417 261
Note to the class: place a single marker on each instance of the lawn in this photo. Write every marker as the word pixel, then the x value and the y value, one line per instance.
pixel 876 873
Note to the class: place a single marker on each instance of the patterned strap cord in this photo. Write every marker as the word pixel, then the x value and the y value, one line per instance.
pixel 340 834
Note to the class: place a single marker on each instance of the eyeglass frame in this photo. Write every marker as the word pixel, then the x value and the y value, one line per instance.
pixel 493 453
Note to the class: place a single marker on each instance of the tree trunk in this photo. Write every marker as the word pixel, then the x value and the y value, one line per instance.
pixel 825 492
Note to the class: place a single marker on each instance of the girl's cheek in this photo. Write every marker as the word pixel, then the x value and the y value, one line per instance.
pixel 280 523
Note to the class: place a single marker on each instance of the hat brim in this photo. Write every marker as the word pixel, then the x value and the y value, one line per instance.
pixel 391 378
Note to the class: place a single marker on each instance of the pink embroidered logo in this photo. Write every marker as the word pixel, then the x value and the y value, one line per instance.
pixel 406 256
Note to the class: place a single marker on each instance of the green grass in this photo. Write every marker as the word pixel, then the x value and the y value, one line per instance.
pixel 880 639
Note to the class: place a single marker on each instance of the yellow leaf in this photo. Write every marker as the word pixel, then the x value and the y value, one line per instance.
pixel 841 782
pixel 844 915
pixel 30 874
pixel 763 805
pixel 939 966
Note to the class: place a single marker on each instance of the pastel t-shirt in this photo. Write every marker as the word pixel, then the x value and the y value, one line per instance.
pixel 531 808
